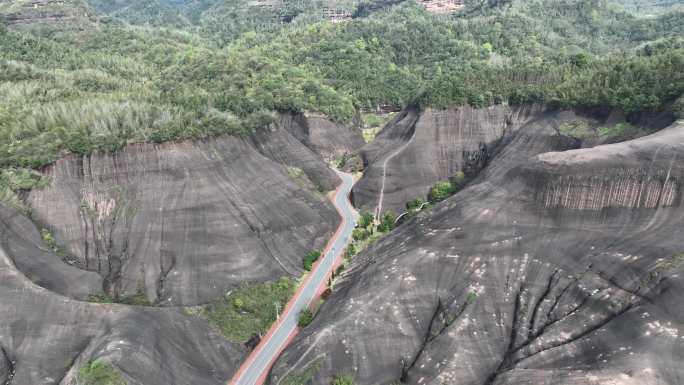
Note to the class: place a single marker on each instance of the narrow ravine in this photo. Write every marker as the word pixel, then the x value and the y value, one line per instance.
pixel 255 368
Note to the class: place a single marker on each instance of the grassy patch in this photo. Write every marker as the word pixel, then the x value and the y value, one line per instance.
pixel 472 296
pixel 23 179
pixel 370 133
pixel 295 173
pixel 580 129
pixel 619 129
pixel 340 161
pixel 368 232
pixel 98 372
pixel 443 189
pixel 577 129
pixel 138 299
pixel 373 124
pixel 248 310
pixel 298 176
pixel 304 376
pixel 670 264
pixel 343 380
pixel 15 180
pixel 372 120
pixel 305 318
pixel 310 258
pixel 9 197
pixel 51 242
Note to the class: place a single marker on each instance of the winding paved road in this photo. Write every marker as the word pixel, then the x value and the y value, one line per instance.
pixel 255 369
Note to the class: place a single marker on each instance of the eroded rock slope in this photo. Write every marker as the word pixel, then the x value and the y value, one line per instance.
pixel 308 143
pixel 45 338
pixel 555 266
pixel 185 222
pixel 418 149
pixel 180 223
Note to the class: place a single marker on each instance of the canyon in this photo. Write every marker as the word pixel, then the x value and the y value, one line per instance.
pixel 377 192
pixel 556 262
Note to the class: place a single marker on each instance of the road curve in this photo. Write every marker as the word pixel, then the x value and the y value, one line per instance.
pixel 255 369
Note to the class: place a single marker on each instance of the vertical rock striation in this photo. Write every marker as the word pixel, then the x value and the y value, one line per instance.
pixel 182 223
pixel 634 189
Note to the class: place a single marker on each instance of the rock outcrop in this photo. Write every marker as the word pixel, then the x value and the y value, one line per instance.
pixel 185 222
pixel 182 222
pixel 23 244
pixel 627 180
pixel 45 338
pixel 309 143
pixel 416 150
pixel 329 139
pixel 504 283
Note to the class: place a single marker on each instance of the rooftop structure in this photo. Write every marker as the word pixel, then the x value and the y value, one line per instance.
pixel 442 6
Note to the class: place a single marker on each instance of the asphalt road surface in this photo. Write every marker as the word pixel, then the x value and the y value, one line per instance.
pixel 255 369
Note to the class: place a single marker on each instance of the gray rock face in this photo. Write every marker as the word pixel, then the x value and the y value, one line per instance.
pixel 23 244
pixel 288 143
pixel 45 338
pixel 6 366
pixel 416 150
pixel 323 136
pixel 555 266
pixel 182 223
pixel 185 222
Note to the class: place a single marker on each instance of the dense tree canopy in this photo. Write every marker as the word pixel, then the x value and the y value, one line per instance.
pixel 99 89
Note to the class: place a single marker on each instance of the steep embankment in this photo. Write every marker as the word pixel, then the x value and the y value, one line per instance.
pixel 418 149
pixel 45 338
pixel 320 138
pixel 555 266
pixel 181 223
pixel 185 222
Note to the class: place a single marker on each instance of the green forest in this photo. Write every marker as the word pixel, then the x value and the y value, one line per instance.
pixel 155 71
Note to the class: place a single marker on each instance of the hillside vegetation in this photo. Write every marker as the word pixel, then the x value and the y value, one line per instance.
pixel 81 91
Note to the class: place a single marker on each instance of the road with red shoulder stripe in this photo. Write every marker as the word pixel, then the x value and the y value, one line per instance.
pixel 257 365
